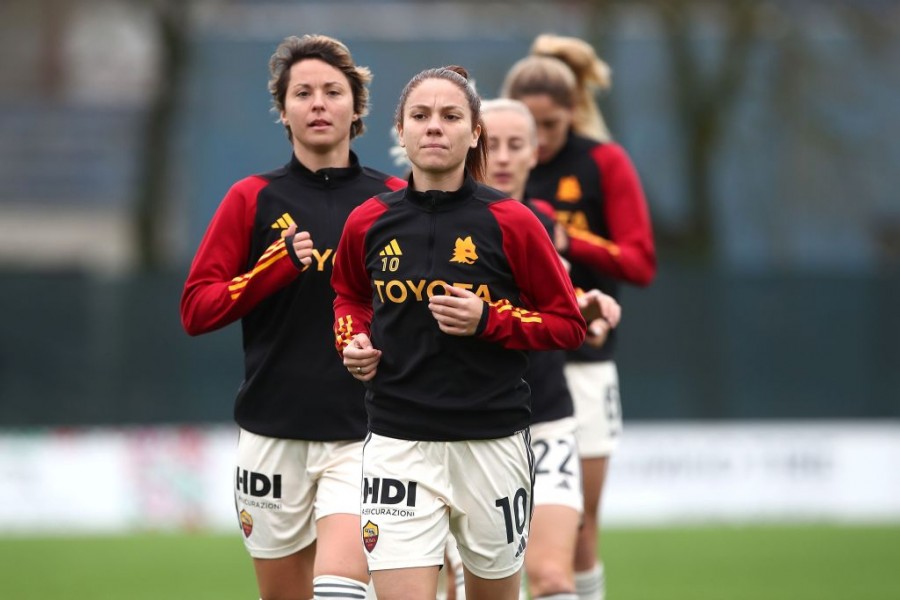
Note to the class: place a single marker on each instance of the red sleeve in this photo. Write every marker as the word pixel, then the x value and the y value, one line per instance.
pixel 545 207
pixel 218 291
pixel 551 318
pixel 350 279
pixel 395 183
pixel 629 254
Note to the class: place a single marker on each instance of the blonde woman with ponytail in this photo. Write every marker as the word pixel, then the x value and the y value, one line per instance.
pixel 604 232
pixel 592 76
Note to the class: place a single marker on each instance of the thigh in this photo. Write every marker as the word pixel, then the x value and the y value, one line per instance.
pixel 491 504
pixel 594 473
pixel 273 495
pixel 338 548
pixel 598 408
pixel 506 588
pixel 404 514
pixel 337 469
pixel 557 468
pixel 550 560
pixel 286 578
pixel 413 582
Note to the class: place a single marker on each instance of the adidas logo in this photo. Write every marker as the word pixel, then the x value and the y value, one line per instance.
pixel 392 249
pixel 522 545
pixel 283 222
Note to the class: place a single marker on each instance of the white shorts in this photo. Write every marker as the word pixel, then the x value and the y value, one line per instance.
pixel 416 493
pixel 282 487
pixel 595 391
pixel 557 469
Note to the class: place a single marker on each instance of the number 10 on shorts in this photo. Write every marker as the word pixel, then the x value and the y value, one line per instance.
pixel 515 513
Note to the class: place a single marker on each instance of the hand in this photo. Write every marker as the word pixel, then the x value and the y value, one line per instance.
pixel 594 304
pixel 597 332
pixel 602 313
pixel 457 311
pixel 302 242
pixel 360 358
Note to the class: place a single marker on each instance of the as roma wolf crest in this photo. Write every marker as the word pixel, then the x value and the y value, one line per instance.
pixel 370 535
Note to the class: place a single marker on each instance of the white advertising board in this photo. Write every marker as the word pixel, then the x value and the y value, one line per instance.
pixel 164 478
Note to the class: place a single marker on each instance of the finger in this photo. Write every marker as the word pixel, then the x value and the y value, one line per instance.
pixel 453 330
pixel 597 328
pixel 444 321
pixel 289 231
pixel 448 314
pixel 613 317
pixel 450 290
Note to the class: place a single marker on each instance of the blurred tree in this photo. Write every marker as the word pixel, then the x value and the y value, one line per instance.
pixel 709 45
pixel 51 72
pixel 172 20
pixel 704 92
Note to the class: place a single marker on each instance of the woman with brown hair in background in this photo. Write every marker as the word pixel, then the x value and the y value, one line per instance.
pixel 604 232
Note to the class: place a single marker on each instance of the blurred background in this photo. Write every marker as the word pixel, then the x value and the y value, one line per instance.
pixel 760 372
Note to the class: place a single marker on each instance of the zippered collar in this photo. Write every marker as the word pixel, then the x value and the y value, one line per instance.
pixel 439 200
pixel 325 176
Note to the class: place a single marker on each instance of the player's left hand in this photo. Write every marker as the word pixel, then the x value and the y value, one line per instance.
pixel 457 311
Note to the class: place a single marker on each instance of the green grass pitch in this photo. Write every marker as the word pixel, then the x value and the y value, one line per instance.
pixel 808 562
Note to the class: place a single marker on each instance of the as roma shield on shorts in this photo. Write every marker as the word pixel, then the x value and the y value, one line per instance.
pixel 370 535
pixel 246 523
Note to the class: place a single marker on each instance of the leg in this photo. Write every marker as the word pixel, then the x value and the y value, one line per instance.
pixel 404 516
pixel 287 578
pixel 494 512
pixel 340 566
pixel 478 588
pixel 274 496
pixel 412 583
pixel 598 409
pixel 455 581
pixel 340 551
pixel 559 503
pixel 594 475
pixel 551 550
pixel 588 563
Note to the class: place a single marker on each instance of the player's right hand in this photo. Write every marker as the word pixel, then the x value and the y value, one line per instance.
pixel 301 242
pixel 360 358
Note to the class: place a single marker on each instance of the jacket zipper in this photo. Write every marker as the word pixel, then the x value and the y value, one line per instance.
pixel 431 236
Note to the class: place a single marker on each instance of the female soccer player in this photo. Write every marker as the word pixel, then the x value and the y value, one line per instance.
pixel 549 562
pixel 266 260
pixel 440 289
pixel 605 234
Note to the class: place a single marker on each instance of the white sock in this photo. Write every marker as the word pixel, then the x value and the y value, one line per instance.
pixel 333 587
pixel 563 596
pixel 591 585
pixel 460 577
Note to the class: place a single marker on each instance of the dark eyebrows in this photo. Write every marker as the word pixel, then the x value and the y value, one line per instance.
pixel 328 84
pixel 445 108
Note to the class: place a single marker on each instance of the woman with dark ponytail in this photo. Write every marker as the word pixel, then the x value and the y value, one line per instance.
pixel 441 289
